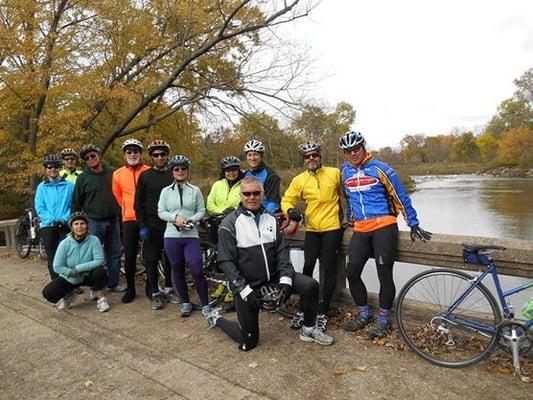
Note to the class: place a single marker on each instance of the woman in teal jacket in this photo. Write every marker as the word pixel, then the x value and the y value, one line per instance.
pixel 78 262
pixel 182 206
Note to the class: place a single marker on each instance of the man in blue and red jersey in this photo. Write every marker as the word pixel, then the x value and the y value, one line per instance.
pixel 375 196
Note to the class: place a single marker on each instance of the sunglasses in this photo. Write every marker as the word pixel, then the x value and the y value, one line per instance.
pixel 354 149
pixel 250 194
pixel 178 169
pixel 90 156
pixel 231 169
pixel 311 155
pixel 52 167
pixel 132 151
pixel 69 159
pixel 157 155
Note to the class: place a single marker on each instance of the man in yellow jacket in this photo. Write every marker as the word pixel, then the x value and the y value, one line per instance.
pixel 124 187
pixel 319 188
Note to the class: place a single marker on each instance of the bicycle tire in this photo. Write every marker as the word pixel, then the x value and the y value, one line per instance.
pixel 23 240
pixel 422 308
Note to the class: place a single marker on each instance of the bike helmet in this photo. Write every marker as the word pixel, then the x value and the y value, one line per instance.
pixel 310 146
pixel 77 216
pixel 158 144
pixel 179 160
pixel 132 143
pixel 88 148
pixel 254 145
pixel 68 152
pixel 51 159
pixel 351 139
pixel 230 161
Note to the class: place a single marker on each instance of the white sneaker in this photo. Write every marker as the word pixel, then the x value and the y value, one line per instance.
pixel 315 335
pixel 102 305
pixel 92 295
pixel 65 303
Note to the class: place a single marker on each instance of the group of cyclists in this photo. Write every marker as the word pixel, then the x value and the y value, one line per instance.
pixel 86 216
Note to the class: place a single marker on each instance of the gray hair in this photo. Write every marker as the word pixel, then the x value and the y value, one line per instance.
pixel 251 179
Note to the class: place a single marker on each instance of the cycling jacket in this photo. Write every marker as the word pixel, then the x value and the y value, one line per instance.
pixel 321 193
pixel 53 201
pixel 271 182
pixel 124 184
pixel 252 252
pixel 221 196
pixel 375 195
pixel 69 175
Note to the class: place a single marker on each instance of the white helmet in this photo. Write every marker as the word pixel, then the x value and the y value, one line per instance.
pixel 254 145
pixel 351 139
pixel 132 143
pixel 309 146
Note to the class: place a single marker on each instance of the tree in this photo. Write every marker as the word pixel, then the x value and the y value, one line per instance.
pixel 516 147
pixel 465 148
pixel 487 144
pixel 412 148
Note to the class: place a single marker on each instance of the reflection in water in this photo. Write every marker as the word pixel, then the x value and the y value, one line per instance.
pixel 475 205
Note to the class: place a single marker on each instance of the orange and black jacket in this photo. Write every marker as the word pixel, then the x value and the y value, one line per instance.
pixel 124 185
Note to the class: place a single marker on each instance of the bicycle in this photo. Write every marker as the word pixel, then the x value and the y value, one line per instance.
pixel 451 319
pixel 27 235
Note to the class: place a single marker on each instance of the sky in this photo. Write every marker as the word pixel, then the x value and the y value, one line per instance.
pixel 417 67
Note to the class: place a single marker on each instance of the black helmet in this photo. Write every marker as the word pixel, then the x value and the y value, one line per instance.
pixel 351 139
pixel 310 146
pixel 88 148
pixel 51 159
pixel 77 216
pixel 230 161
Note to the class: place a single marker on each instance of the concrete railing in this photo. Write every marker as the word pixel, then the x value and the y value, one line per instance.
pixel 444 251
pixel 8 227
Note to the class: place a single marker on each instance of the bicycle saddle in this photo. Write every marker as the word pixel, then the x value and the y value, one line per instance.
pixel 474 247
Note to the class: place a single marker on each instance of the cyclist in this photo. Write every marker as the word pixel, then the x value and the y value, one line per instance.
pixel 53 199
pixel 375 196
pixel 252 253
pixel 93 195
pixel 69 158
pixel 319 188
pixel 124 185
pixel 151 227
pixel 78 262
pixel 224 195
pixel 254 151
pixel 181 205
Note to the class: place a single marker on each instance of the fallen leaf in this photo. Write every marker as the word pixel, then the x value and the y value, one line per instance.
pixel 362 369
pixel 254 364
pixel 338 371
pixel 525 379
pixel 89 383
pixel 504 370
pixel 380 342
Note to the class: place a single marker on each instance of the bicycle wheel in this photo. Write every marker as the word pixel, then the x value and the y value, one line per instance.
pixel 22 237
pixel 448 338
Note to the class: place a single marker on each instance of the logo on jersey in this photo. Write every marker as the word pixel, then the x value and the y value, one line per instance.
pixel 360 182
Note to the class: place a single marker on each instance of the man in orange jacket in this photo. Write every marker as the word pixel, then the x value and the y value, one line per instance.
pixel 124 186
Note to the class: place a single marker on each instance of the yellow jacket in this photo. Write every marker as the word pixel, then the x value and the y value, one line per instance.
pixel 321 193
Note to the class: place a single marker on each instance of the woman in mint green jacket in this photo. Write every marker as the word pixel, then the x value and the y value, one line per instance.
pixel 78 262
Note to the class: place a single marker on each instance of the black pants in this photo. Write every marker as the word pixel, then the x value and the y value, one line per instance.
pixel 246 332
pixel 59 287
pixel 51 238
pixel 382 244
pixel 152 254
pixel 323 246
pixel 130 241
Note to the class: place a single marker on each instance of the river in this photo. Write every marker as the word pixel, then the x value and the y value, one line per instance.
pixel 465 205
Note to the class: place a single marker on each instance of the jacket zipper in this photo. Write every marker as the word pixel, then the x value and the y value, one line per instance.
pixel 262 248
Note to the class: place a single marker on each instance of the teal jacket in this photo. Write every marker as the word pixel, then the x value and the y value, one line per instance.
pixel 84 256
pixel 190 205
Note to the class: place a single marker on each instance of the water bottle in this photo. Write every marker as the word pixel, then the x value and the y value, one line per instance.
pixel 527 310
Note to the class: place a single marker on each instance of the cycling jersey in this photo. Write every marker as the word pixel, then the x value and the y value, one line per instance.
pixel 320 191
pixel 222 196
pixel 270 181
pixel 69 175
pixel 375 195
pixel 53 201
pixel 124 184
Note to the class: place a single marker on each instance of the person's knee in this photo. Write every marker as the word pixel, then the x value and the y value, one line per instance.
pixel 353 271
pixel 249 341
pixel 48 294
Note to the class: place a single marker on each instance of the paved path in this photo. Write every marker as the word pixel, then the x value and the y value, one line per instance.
pixel 133 352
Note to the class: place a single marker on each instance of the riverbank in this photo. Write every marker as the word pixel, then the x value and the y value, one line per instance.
pixel 463 168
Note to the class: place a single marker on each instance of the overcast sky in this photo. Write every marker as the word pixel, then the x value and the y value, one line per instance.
pixel 416 66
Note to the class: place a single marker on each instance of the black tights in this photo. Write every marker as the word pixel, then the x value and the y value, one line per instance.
pixel 382 245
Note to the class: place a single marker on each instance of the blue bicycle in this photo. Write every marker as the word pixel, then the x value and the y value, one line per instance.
pixel 451 319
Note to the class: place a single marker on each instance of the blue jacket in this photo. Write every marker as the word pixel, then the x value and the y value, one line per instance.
pixel 271 182
pixel 53 200
pixel 374 190
pixel 84 256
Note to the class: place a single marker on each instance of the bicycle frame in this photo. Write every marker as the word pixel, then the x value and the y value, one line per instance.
pixel 507 313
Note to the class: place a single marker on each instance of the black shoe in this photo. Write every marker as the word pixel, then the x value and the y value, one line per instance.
pixel 128 297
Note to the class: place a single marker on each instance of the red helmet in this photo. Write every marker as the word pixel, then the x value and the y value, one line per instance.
pixel 158 144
